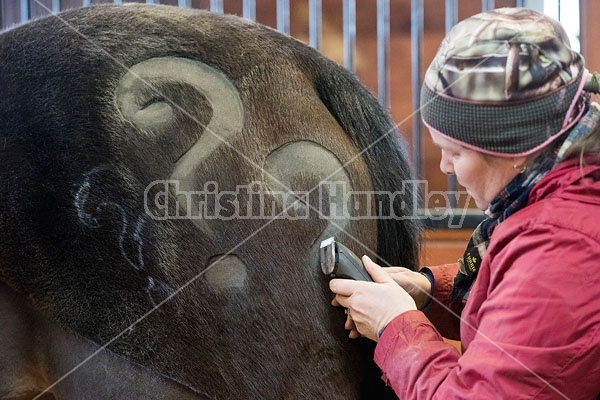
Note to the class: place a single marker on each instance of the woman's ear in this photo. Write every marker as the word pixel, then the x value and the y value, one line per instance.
pixel 521 163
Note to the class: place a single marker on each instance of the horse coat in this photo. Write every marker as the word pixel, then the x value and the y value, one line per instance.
pixel 165 184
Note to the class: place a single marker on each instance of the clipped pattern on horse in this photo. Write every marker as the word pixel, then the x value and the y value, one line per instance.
pixel 118 126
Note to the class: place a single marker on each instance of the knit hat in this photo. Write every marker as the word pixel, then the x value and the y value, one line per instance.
pixel 504 82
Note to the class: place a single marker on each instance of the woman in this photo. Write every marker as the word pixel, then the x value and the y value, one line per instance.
pixel 508 103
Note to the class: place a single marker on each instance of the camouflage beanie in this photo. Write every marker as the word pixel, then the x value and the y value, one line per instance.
pixel 504 82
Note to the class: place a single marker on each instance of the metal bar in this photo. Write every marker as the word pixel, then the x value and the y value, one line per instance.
pixel 451 14
pixel 416 39
pixel 315 23
pixel 249 9
pixel 349 10
pixel 25 11
pixel 283 16
pixel 184 3
pixel 216 6
pixel 521 3
pixel 86 3
pixel 383 51
pixel 55 6
pixel 451 20
pixel 487 5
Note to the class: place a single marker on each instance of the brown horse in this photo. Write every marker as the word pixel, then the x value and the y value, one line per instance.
pixel 166 178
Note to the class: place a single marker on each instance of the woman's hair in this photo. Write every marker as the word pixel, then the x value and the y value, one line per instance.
pixel 587 146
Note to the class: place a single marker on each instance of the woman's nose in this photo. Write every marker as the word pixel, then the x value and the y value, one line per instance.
pixel 446 165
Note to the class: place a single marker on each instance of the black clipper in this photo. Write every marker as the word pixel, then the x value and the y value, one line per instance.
pixel 338 261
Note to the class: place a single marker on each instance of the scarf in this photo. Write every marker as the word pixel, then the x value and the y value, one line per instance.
pixel 510 200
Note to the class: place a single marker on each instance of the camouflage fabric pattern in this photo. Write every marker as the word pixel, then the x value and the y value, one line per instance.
pixel 503 81
pixel 504 54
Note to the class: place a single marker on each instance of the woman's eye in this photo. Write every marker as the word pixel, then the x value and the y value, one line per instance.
pixel 452 153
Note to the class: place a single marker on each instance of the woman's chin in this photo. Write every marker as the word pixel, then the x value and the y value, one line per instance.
pixel 480 203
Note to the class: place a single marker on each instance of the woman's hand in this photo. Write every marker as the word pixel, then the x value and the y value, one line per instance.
pixel 371 305
pixel 415 283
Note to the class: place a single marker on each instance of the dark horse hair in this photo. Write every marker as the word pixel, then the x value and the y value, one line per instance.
pixel 102 105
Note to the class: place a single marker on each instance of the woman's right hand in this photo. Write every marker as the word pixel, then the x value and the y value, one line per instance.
pixel 415 283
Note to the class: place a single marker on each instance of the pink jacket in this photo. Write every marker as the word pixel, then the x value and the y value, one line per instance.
pixel 531 326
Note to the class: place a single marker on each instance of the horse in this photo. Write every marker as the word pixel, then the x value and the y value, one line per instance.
pixel 167 176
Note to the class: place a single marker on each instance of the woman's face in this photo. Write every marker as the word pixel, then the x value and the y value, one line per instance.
pixel 483 176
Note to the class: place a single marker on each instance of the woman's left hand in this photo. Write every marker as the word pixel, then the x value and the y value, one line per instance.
pixel 371 306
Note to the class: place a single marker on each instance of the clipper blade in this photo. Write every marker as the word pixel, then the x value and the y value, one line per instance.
pixel 327 256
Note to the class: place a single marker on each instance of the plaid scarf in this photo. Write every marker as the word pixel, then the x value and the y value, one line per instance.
pixel 510 200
